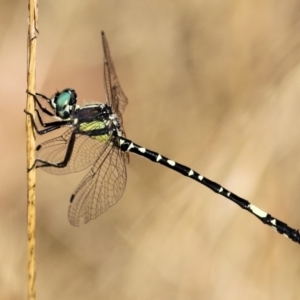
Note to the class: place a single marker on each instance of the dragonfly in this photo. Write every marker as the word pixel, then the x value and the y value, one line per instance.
pixel 96 138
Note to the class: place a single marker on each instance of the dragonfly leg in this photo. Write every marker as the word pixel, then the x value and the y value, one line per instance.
pixel 48 126
pixel 46 111
pixel 39 163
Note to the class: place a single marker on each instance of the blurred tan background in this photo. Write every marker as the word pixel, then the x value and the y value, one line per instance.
pixel 211 84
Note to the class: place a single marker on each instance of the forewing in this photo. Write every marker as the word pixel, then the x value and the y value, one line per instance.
pixel 116 97
pixel 101 188
pixel 85 152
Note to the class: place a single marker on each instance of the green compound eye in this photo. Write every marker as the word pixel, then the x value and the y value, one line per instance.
pixel 64 102
pixel 63 99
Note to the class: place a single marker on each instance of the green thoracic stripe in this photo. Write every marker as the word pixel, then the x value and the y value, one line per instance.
pixel 90 126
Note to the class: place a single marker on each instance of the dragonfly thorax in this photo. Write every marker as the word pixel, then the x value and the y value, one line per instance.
pixel 94 112
pixel 97 121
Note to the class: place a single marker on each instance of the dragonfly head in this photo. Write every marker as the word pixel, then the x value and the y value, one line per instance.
pixel 64 103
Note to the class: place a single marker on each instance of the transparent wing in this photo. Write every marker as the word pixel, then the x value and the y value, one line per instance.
pixel 101 188
pixel 115 95
pixel 113 91
pixel 85 152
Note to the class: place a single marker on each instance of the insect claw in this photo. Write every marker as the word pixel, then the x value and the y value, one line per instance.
pixel 29 93
pixel 31 168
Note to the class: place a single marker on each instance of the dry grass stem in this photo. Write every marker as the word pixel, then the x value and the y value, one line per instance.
pixel 31 176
